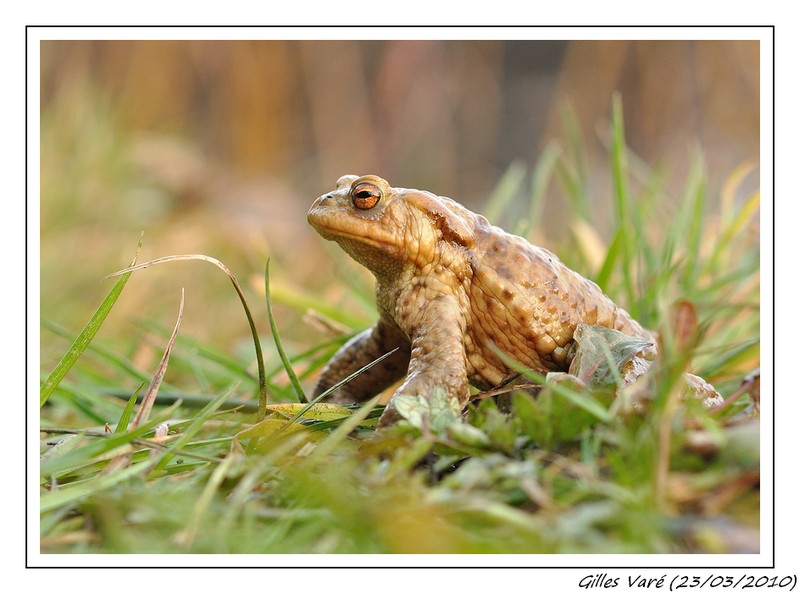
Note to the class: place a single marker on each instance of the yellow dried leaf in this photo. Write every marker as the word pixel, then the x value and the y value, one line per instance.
pixel 323 411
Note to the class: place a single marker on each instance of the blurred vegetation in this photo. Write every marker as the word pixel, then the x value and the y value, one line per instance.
pixel 549 478
pixel 450 115
pixel 218 148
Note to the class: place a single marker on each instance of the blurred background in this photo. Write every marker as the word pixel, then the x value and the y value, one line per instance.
pixel 219 147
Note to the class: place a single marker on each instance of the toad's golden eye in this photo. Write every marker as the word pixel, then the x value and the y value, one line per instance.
pixel 366 196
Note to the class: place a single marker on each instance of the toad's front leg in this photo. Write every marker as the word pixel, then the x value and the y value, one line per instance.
pixel 438 357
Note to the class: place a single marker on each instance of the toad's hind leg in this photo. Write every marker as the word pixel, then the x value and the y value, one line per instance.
pixel 356 353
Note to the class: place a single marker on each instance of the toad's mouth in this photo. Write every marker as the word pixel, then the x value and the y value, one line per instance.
pixel 332 233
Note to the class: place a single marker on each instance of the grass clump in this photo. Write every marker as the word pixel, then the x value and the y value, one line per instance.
pixel 245 464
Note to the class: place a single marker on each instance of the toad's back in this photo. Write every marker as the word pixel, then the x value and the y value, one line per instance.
pixel 523 300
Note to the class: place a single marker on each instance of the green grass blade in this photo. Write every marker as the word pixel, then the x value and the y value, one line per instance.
pixel 730 230
pixel 188 535
pixel 127 413
pixel 573 171
pixel 72 493
pixel 334 388
pixel 85 337
pixel 193 428
pixel 342 431
pixel 96 448
pixel 85 401
pixel 540 181
pixel 287 364
pixel 604 276
pixel 262 379
pixel 584 401
pixel 622 198
pixel 694 203
pixel 120 362
pixel 505 191
pixel 300 301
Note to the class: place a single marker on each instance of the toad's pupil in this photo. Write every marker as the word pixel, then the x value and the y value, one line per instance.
pixel 366 196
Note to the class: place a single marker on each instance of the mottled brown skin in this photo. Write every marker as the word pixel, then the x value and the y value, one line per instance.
pixel 449 285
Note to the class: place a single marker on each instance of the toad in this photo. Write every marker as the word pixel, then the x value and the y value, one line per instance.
pixel 451 291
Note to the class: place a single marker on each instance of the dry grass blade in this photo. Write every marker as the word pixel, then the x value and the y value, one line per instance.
pixel 150 396
pixel 750 384
pixel 152 391
pixel 262 376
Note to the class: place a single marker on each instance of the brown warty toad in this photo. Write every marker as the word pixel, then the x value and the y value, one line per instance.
pixel 449 285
